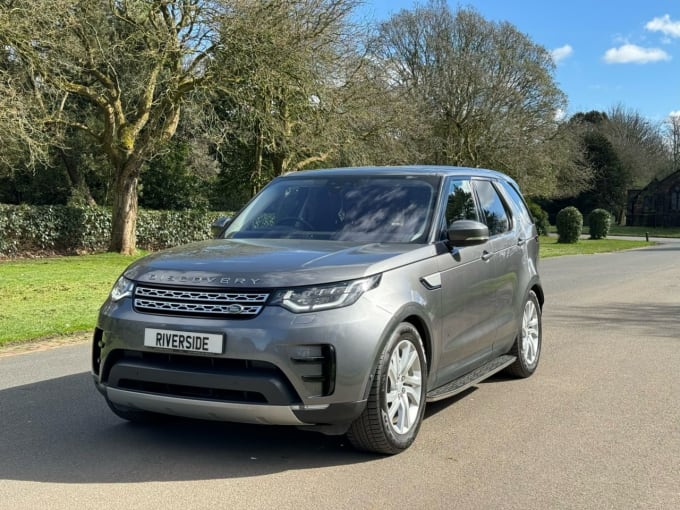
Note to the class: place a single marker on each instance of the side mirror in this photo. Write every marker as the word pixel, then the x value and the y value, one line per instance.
pixel 467 233
pixel 219 225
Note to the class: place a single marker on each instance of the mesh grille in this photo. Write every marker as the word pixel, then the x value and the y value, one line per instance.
pixel 198 302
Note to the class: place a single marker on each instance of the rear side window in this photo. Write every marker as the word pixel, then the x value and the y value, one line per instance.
pixel 518 203
pixel 495 215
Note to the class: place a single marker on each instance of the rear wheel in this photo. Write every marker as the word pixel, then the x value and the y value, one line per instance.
pixel 396 403
pixel 527 347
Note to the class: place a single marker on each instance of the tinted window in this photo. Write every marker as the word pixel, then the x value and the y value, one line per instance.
pixel 518 202
pixel 460 202
pixel 362 209
pixel 495 215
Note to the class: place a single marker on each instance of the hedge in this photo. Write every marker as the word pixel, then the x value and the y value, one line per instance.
pixel 599 221
pixel 68 230
pixel 569 222
pixel 540 218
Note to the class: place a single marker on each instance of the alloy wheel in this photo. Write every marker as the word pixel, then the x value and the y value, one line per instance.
pixel 403 387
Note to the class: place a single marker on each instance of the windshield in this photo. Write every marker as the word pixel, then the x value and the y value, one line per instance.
pixel 394 209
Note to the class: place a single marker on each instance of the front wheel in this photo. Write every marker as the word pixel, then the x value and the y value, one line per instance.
pixel 527 347
pixel 396 403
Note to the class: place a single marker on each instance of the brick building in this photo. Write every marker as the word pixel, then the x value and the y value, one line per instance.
pixel 656 205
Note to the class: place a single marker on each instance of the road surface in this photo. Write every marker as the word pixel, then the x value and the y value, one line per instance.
pixel 597 426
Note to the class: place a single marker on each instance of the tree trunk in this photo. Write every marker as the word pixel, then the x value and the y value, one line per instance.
pixel 124 214
pixel 256 176
pixel 280 162
pixel 78 183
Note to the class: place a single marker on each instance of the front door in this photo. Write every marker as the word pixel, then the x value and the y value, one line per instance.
pixel 468 290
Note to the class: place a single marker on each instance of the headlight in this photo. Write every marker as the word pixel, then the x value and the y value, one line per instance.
pixel 324 297
pixel 122 289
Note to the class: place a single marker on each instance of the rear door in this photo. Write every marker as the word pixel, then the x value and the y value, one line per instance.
pixel 520 261
pixel 506 249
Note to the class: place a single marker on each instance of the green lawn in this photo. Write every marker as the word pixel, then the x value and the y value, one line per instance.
pixel 551 248
pixel 58 296
pixel 54 296
pixel 619 230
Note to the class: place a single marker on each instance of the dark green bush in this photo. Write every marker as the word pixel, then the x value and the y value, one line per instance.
pixel 58 229
pixel 540 218
pixel 169 182
pixel 569 223
pixel 599 221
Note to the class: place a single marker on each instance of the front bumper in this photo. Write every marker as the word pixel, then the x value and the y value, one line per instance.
pixel 260 414
pixel 277 368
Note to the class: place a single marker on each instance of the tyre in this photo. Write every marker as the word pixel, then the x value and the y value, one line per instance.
pixel 134 415
pixel 396 402
pixel 527 347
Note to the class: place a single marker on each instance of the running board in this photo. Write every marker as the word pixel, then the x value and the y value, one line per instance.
pixel 463 383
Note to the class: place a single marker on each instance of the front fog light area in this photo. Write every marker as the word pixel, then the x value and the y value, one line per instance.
pixel 324 297
pixel 121 289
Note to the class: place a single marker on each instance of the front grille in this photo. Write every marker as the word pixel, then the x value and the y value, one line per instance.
pixel 178 390
pixel 198 302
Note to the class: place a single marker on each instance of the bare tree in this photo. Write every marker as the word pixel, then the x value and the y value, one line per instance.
pixel 21 136
pixel 132 62
pixel 293 60
pixel 486 91
pixel 639 144
pixel 672 131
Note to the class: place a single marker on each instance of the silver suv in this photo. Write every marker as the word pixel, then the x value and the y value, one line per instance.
pixel 341 300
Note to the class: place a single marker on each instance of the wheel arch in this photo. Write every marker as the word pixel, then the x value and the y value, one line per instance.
pixel 425 335
pixel 416 316
pixel 538 290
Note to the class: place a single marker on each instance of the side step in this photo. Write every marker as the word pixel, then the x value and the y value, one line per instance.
pixel 463 383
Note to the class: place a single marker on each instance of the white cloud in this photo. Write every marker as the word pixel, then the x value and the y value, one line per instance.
pixel 560 114
pixel 675 113
pixel 559 54
pixel 632 54
pixel 665 25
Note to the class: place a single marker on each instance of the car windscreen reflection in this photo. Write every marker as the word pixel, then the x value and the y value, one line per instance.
pixel 384 210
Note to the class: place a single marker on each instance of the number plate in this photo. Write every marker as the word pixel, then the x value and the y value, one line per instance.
pixel 186 341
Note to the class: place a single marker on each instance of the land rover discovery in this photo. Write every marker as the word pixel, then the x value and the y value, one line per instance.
pixel 341 300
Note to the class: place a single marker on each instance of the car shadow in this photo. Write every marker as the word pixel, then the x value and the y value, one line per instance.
pixel 434 408
pixel 61 430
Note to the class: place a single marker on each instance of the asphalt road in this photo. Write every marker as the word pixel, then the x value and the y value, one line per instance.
pixel 598 425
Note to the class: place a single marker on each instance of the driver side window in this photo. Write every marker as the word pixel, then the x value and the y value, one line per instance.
pixel 460 203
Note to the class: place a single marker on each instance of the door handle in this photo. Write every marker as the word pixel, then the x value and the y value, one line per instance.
pixel 521 241
pixel 486 255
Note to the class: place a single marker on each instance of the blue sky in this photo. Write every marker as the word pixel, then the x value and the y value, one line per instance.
pixel 607 52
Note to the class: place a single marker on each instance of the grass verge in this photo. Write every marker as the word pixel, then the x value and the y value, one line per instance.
pixel 551 248
pixel 54 296
pixel 618 230
pixel 622 230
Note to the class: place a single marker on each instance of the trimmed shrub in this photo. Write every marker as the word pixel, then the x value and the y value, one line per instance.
pixel 540 218
pixel 68 230
pixel 599 221
pixel 569 223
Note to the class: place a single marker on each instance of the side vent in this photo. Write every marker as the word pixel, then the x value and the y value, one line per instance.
pixel 315 364
pixel 97 344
